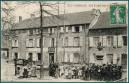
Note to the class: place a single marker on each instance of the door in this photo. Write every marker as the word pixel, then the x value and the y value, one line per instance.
pixel 15 55
pixel 51 58
pixel 124 61
pixel 110 58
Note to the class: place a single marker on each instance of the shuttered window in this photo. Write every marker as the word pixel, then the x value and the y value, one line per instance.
pixel 104 41
pixel 120 41
pixel 15 43
pixel 53 30
pixel 48 30
pixel 73 29
pixel 70 41
pixel 76 41
pixel 81 41
pixel 91 44
pixel 80 28
pixel 67 29
pixel 115 41
pixel 61 29
pixel 38 42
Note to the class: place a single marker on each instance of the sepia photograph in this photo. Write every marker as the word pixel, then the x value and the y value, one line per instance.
pixel 64 41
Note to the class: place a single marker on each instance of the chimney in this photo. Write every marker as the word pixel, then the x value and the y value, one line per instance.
pixel 20 18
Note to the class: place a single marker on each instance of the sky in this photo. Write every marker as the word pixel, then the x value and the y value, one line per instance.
pixel 68 6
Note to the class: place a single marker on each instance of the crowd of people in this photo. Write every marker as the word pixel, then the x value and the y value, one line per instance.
pixel 104 72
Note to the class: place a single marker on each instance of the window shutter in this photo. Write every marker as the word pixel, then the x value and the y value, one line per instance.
pixel 67 28
pixel 33 42
pixel 104 41
pixel 27 42
pixel 35 57
pixel 12 43
pixel 16 43
pixel 61 29
pixel 81 41
pixel 66 57
pixel 73 29
pixel 53 30
pixel 48 30
pixel 91 43
pixel 120 41
pixel 71 57
pixel 70 41
pixel 55 42
pixel 63 42
pixel 80 28
pixel 18 55
pixel 115 41
pixel 38 42
pixel 50 39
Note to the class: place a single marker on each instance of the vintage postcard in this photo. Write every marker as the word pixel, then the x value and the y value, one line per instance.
pixel 64 41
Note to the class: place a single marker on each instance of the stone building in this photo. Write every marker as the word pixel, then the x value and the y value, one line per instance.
pixel 74 38
pixel 108 42
pixel 65 38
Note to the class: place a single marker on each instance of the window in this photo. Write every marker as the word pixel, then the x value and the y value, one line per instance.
pixel 70 41
pixel 125 40
pixel 120 41
pixel 80 28
pixel 39 56
pixel 61 29
pixel 67 29
pixel 67 57
pixel 15 55
pixel 91 42
pixel 52 42
pixel 30 43
pixel 96 41
pixel 110 58
pixel 76 41
pixel 30 32
pixel 109 40
pixel 104 41
pixel 76 57
pixel 15 43
pixel 38 42
pixel 66 41
pixel 30 56
pixel 77 29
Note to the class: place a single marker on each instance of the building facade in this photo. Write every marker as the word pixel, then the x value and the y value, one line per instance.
pixel 108 42
pixel 75 38
pixel 64 39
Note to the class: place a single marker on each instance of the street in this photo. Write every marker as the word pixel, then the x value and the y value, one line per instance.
pixel 7 74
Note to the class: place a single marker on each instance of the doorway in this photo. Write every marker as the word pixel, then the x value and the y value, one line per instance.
pixel 124 61
pixel 51 58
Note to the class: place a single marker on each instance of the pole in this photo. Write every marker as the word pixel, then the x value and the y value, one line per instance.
pixel 57 38
pixel 41 41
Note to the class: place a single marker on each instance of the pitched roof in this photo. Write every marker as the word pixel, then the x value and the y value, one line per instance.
pixel 69 19
pixel 104 22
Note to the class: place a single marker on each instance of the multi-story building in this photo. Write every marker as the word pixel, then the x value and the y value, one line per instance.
pixel 84 37
pixel 108 42
pixel 64 38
